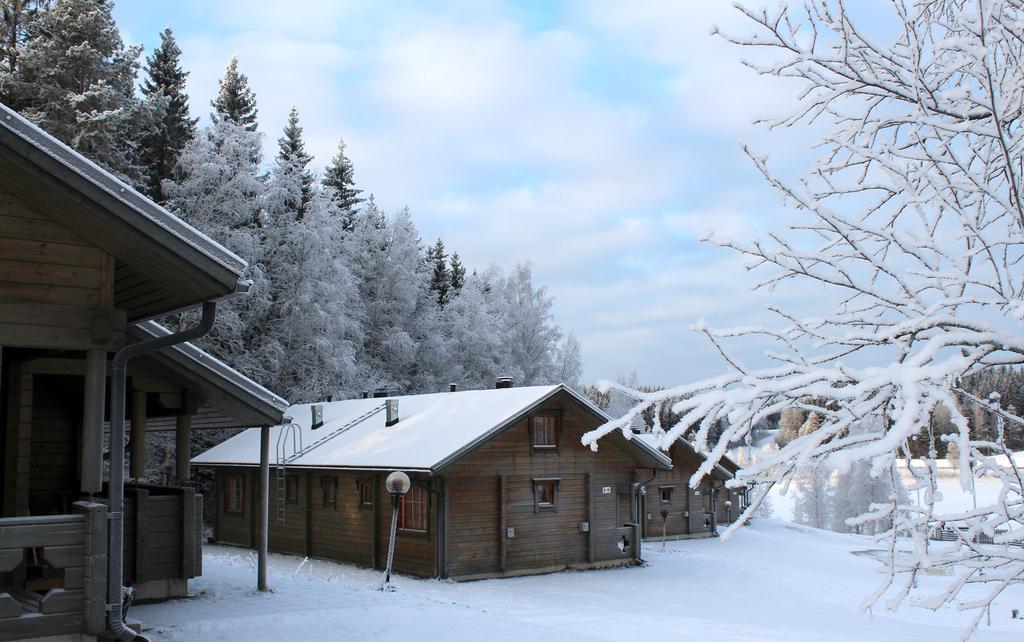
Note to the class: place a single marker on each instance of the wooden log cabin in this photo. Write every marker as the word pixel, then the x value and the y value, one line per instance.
pixel 84 262
pixel 502 485
pixel 670 508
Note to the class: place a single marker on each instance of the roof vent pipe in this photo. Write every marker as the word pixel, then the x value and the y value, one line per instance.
pixel 503 382
pixel 452 387
pixel 392 409
pixel 317 418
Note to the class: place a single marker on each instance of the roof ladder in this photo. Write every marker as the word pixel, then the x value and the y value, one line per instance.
pixel 290 434
pixel 334 433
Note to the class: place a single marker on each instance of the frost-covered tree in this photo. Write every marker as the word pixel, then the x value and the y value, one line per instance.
pixel 458 273
pixel 912 220
pixel 473 324
pixel 75 78
pixel 789 425
pixel 292 166
pixel 162 144
pixel 235 101
pixel 569 361
pixel 218 188
pixel 440 276
pixel 15 16
pixel 531 336
pixel 812 505
pixel 339 176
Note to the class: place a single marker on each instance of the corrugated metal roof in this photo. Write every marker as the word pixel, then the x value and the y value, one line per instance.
pixel 434 430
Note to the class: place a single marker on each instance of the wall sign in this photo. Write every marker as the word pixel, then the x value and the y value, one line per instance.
pixel 606 490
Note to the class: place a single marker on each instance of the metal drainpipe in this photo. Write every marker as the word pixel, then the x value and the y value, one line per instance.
pixel 118 385
pixel 638 514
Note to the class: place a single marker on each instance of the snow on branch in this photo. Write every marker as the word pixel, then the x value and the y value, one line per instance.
pixel 912 220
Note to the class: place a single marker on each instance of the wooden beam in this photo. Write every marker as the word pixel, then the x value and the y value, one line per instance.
pixel 92 420
pixel 183 446
pixel 503 534
pixel 138 468
pixel 264 509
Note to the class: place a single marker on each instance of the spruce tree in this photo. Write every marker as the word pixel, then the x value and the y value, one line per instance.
pixel 340 177
pixel 440 280
pixel 458 273
pixel 293 165
pixel 15 17
pixel 235 101
pixel 162 145
pixel 75 79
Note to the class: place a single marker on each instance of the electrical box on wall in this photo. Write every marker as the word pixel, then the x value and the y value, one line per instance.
pixel 584 527
pixel 686 513
pixel 510 532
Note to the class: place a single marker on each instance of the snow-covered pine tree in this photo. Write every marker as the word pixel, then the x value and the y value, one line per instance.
pixel 789 425
pixel 473 326
pixel 292 166
pixel 912 225
pixel 457 271
pixel 75 79
pixel 217 187
pixel 339 176
pixel 440 278
pixel 15 16
pixel 162 145
pixel 235 101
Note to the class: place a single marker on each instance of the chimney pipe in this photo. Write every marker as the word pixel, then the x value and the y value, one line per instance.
pixel 317 416
pixel 503 382
pixel 392 410
pixel 380 393
pixel 366 394
pixel 452 387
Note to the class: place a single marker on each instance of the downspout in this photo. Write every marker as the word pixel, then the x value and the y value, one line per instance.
pixel 640 488
pixel 118 385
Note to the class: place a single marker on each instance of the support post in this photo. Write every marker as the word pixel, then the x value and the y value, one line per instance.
pixel 92 420
pixel 183 446
pixel 263 514
pixel 138 467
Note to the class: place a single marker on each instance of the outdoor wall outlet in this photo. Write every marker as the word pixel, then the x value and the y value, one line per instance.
pixel 510 532
pixel 584 527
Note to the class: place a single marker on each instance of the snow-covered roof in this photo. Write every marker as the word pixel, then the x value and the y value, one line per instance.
pixel 222 385
pixel 654 441
pixel 434 430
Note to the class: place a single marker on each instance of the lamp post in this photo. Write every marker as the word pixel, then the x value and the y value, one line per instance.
pixel 397 484
pixel 728 510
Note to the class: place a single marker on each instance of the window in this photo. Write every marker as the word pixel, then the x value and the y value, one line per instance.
pixel 412 510
pixel 544 429
pixel 666 494
pixel 329 486
pixel 291 485
pixel 545 494
pixel 234 495
pixel 365 494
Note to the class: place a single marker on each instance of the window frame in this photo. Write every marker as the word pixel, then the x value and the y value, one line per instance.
pixel 364 486
pixel 661 494
pixel 403 510
pixel 557 417
pixel 329 481
pixel 289 481
pixel 228 503
pixel 536 484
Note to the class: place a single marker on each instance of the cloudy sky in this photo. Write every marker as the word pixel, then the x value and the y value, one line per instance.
pixel 596 140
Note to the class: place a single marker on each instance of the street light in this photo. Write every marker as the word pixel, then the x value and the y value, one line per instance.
pixel 397 484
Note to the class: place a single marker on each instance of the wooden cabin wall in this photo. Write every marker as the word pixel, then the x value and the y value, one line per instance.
pixel 491 490
pixel 291 536
pixel 689 509
pixel 232 528
pixel 345 531
pixel 56 290
pixel 415 552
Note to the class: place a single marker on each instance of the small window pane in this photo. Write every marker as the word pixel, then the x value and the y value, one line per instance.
pixel 292 490
pixel 544 492
pixel 666 495
pixel 366 493
pixel 545 431
pixel 412 510
pixel 235 495
pixel 330 489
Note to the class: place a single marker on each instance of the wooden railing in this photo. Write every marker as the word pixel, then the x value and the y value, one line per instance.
pixel 53 573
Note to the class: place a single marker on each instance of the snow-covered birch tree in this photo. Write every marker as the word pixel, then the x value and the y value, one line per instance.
pixel 913 220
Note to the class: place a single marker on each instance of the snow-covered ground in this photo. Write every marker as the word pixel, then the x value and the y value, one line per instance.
pixel 772 581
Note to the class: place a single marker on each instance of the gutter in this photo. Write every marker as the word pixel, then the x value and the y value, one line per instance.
pixel 639 489
pixel 115 510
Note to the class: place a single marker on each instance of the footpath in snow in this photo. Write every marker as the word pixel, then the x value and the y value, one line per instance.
pixel 773 581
